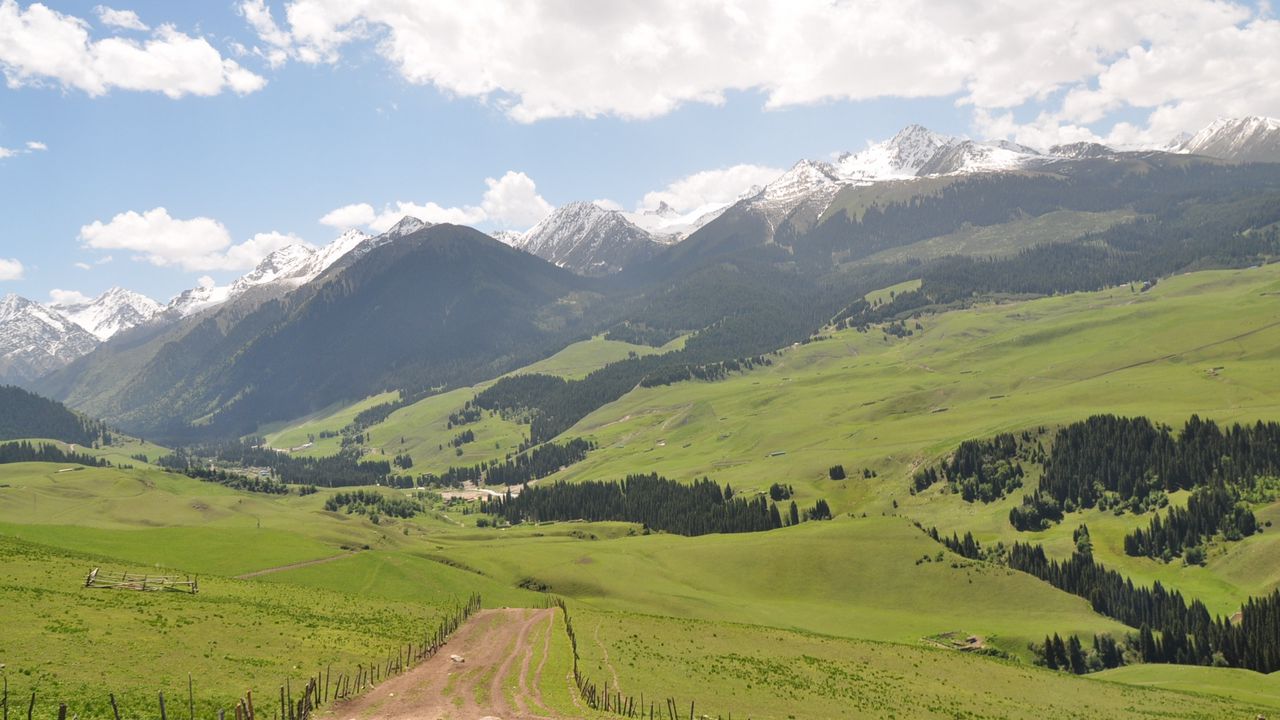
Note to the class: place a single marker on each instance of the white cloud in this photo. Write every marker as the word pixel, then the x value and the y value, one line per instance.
pixel 10 269
pixel 39 45
pixel 68 297
pixel 126 19
pixel 34 145
pixel 198 244
pixel 510 202
pixel 1081 61
pixel 6 153
pixel 251 252
pixel 278 43
pixel 349 216
pixel 710 188
pixel 83 265
pixel 430 212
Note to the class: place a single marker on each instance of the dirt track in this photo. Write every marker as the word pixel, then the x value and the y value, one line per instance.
pixel 496 645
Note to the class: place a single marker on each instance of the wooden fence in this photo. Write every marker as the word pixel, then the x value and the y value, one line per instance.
pixel 317 690
pixel 601 699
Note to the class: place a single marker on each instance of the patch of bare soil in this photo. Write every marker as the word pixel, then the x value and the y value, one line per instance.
pixel 465 680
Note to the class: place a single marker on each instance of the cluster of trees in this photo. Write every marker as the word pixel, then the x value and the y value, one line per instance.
pixel 1210 510
pixel 694 508
pixel 984 470
pixel 708 372
pixel 27 415
pixel 467 415
pixel 1071 656
pixel 1130 463
pixel 779 492
pixel 345 469
pixel 26 451
pixel 462 438
pixel 373 415
pixel 526 466
pixel 237 480
pixel 836 472
pixel 402 461
pixel 1187 633
pixel 369 502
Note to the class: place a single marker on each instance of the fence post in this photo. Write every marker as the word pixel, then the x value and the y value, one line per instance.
pixel 191 697
pixel 115 709
pixel 163 716
pixel 31 706
pixel 62 711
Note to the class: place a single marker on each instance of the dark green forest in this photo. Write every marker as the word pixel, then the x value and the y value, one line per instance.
pixel 27 415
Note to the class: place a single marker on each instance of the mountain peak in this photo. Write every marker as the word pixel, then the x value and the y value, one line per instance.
pixel 112 312
pixel 588 239
pixel 35 339
pixel 406 226
pixel 1253 138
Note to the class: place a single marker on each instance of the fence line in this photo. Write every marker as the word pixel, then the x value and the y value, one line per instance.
pixel 601 699
pixel 319 689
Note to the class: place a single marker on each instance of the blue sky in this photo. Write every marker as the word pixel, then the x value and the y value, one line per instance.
pixel 376 109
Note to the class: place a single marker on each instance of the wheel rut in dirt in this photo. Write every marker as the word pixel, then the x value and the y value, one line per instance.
pixel 494 646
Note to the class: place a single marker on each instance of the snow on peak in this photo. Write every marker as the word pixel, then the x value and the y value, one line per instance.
pixel 287 268
pixel 1248 139
pixel 802 179
pixel 507 237
pixel 36 339
pixel 901 156
pixel 587 238
pixel 406 226
pixel 114 311
pixel 288 264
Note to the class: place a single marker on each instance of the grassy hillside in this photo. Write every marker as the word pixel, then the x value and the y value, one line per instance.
pixel 729 668
pixel 1007 238
pixel 70 644
pixel 824 619
pixel 421 429
pixel 877 578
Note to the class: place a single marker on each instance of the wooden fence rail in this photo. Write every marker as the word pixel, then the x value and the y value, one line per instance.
pixel 601 699
pixel 317 690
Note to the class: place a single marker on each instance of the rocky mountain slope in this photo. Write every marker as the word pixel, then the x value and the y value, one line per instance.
pixel 35 340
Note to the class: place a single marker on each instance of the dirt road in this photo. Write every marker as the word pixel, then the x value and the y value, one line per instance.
pixel 498 649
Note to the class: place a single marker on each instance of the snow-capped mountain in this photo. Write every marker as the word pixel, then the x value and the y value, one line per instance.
pixel 808 182
pixel 901 156
pixel 667 225
pixel 111 312
pixel 588 239
pixel 507 237
pixel 1247 139
pixel 1080 151
pixel 285 269
pixel 917 151
pixel 35 339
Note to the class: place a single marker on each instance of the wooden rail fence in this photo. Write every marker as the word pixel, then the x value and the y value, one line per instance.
pixel 317 690
pixel 601 699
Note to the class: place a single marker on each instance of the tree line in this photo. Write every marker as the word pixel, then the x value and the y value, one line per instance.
pixel 524 467
pixel 1120 463
pixel 1210 510
pixel 373 503
pixel 26 451
pixel 344 469
pixel 1187 633
pixel 984 470
pixel 696 508
pixel 27 415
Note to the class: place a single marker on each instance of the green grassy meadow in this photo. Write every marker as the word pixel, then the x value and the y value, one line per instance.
pixel 824 619
pixel 724 668
pixel 421 429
